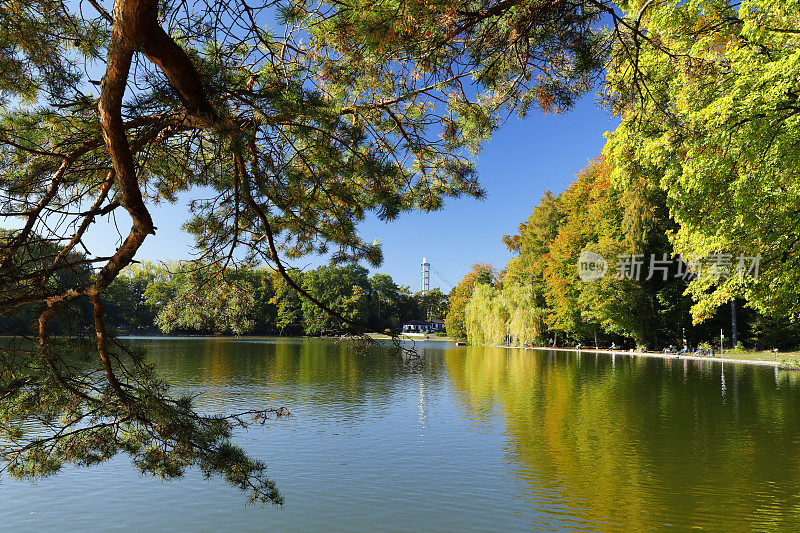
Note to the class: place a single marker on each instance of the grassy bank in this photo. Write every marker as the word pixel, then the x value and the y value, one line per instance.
pixel 787 358
pixel 781 359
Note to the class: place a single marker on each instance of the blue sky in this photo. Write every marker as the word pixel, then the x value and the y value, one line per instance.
pixel 518 163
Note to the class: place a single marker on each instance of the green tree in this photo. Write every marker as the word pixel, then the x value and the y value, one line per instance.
pixel 455 321
pixel 390 304
pixel 289 310
pixel 343 289
pixel 709 113
pixel 126 303
pixel 216 303
pixel 261 283
pixel 485 316
pixel 507 315
pixel 532 244
pixel 431 304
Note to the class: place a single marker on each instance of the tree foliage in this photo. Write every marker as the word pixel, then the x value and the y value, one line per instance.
pixel 455 321
pixel 390 304
pixel 222 306
pixel 342 289
pixel 710 114
pixel 432 304
pixel 543 296
pixel 507 315
pixel 175 297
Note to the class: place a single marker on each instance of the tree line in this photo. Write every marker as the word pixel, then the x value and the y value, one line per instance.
pixel 697 186
pixel 646 296
pixel 190 297
pixel 181 297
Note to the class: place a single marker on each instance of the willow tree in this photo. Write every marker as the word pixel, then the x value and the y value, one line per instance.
pixel 286 122
pixel 485 316
pixel 507 315
pixel 455 321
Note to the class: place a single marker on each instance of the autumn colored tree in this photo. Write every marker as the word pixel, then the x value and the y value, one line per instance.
pixel 455 321
pixel 591 215
pixel 584 206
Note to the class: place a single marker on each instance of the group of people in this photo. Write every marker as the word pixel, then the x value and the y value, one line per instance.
pixel 672 349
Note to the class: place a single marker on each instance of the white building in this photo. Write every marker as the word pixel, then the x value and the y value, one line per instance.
pixel 424 326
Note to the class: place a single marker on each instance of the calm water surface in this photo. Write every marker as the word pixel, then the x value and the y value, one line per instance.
pixel 473 439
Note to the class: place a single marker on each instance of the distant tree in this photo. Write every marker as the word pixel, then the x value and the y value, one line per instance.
pixel 432 304
pixel 343 289
pixel 38 258
pixel 126 303
pixel 224 306
pixel 455 321
pixel 261 282
pixel 288 304
pixel 390 305
pixel 506 315
pixel 532 244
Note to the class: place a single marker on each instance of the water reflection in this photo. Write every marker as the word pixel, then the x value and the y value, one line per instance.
pixel 314 375
pixel 642 443
pixel 471 439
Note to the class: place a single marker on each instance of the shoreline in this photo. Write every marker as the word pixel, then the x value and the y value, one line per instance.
pixel 781 365
pixel 758 362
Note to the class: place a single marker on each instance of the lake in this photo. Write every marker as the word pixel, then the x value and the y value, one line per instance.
pixel 466 439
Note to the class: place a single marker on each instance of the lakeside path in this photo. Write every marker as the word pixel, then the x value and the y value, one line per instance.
pixel 757 362
pixel 788 361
